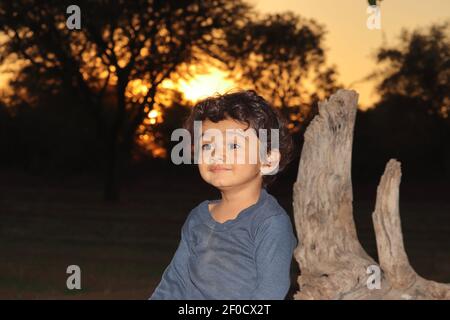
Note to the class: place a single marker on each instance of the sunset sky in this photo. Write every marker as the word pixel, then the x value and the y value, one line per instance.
pixel 350 44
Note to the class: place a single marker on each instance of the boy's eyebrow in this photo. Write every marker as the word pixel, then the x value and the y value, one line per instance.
pixel 229 131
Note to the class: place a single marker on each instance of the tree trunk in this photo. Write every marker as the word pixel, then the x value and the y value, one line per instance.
pixel 333 263
pixel 111 191
pixel 117 145
pixel 117 161
pixel 446 147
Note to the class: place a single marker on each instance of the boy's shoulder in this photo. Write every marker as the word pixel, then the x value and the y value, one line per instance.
pixel 271 210
pixel 194 216
pixel 271 207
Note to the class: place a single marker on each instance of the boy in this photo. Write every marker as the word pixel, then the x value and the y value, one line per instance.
pixel 241 246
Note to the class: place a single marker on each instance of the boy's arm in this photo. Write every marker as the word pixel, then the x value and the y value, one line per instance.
pixel 275 244
pixel 173 282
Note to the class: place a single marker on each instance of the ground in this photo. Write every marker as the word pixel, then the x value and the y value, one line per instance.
pixel 122 249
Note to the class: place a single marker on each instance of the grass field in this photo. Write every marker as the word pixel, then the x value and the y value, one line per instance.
pixel 122 249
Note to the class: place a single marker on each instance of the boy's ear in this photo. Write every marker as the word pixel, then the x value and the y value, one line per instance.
pixel 271 165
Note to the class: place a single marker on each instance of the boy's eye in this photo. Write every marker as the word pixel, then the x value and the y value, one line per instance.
pixel 234 146
pixel 206 146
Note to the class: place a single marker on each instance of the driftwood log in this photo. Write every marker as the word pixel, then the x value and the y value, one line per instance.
pixel 332 262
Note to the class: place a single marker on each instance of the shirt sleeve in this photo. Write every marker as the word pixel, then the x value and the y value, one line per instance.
pixel 274 244
pixel 173 282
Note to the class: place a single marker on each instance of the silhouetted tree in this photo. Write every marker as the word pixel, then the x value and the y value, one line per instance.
pixel 418 67
pixel 282 57
pixel 412 115
pixel 115 64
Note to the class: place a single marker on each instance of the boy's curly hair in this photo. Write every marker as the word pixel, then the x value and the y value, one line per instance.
pixel 248 107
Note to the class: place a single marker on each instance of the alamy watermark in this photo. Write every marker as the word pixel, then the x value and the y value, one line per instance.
pixel 74 280
pixel 74 20
pixel 374 12
pixel 234 146
pixel 374 280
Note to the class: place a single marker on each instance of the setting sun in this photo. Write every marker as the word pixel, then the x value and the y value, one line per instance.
pixel 203 85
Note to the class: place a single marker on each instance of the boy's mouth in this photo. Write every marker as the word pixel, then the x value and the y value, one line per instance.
pixel 218 168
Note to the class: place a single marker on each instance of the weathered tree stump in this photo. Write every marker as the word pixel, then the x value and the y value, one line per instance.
pixel 332 262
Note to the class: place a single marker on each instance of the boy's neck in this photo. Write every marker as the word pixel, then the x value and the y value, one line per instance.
pixel 236 196
pixel 234 200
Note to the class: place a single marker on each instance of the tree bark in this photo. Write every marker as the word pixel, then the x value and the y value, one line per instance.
pixel 332 261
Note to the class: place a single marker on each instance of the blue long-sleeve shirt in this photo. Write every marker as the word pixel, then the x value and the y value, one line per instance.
pixel 248 257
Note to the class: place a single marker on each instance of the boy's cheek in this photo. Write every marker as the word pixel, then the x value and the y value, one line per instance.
pixel 245 170
pixel 203 168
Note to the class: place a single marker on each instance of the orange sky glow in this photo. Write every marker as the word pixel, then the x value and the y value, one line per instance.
pixel 350 44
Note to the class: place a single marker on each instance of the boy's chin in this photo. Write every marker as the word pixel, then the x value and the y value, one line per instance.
pixel 222 184
pixel 227 183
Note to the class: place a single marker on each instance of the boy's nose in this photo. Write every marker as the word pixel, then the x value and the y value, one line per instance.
pixel 217 157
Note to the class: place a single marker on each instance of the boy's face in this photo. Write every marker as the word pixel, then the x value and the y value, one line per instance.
pixel 229 154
